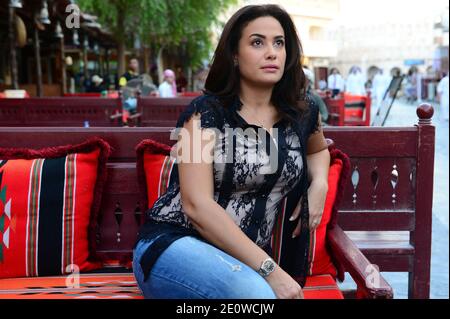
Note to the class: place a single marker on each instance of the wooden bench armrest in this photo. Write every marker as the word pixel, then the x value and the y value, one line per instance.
pixel 366 275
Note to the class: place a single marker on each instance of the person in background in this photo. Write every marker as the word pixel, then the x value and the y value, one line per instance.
pixel 97 85
pixel 335 82
pixel 380 85
pixel 132 72
pixel 355 82
pixel 168 88
pixel 322 84
pixel 313 95
pixel 442 90
pixel 411 85
pixel 181 82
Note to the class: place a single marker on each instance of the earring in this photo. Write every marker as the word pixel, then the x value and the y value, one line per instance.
pixel 236 63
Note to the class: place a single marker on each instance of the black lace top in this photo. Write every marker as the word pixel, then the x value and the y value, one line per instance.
pixel 264 169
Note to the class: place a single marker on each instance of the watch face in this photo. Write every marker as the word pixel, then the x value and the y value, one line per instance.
pixel 269 266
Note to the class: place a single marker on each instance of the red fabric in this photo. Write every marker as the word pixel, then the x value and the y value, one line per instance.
pixel 157 173
pixel 191 93
pixel 28 209
pixel 154 167
pixel 120 286
pixel 321 287
pixel 321 262
pixel 354 112
pixel 350 98
pixel 75 286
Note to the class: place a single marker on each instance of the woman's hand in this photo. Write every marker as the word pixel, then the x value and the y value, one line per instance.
pixel 317 193
pixel 284 286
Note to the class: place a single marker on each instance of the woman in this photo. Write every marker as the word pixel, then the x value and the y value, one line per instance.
pixel 209 235
pixel 168 88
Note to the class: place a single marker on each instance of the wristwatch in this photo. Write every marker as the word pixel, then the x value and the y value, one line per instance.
pixel 267 267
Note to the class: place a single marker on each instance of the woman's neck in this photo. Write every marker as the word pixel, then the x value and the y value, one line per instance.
pixel 254 96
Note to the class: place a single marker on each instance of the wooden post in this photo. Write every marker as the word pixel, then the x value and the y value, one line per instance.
pixel 101 63
pixel 107 60
pixel 85 68
pixel 63 68
pixel 419 278
pixel 12 44
pixel 37 56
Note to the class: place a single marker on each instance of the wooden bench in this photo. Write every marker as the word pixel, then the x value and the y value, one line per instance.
pixel 154 111
pixel 387 207
pixel 368 205
pixel 60 111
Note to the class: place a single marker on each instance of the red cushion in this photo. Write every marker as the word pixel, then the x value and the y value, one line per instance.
pixel 157 173
pixel 320 260
pixel 155 165
pixel 49 201
pixel 321 287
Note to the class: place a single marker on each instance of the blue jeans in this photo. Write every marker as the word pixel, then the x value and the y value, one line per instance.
pixel 192 269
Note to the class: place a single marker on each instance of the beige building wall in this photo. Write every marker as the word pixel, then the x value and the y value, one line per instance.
pixel 387 38
pixel 314 19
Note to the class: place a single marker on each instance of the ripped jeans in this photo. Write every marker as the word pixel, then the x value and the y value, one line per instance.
pixel 192 269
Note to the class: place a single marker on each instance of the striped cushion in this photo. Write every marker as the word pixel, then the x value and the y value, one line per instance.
pixel 76 286
pixel 155 164
pixel 119 286
pixel 159 166
pixel 321 287
pixel 47 209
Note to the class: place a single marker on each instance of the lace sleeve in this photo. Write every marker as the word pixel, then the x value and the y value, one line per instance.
pixel 208 108
pixel 313 116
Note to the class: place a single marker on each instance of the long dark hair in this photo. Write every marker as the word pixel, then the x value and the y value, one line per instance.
pixel 224 78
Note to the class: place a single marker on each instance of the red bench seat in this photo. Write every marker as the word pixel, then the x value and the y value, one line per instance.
pixel 120 286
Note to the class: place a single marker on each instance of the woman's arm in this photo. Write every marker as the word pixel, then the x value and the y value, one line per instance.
pixel 209 218
pixel 318 156
pixel 318 162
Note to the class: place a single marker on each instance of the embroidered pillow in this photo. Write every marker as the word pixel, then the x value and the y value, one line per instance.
pixel 154 166
pixel 49 202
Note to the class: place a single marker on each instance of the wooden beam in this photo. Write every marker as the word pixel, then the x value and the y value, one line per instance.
pixel 63 68
pixel 37 56
pixel 12 44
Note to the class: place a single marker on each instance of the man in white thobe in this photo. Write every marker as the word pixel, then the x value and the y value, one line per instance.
pixel 442 91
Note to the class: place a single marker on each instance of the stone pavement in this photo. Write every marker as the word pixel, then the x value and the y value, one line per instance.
pixel 404 114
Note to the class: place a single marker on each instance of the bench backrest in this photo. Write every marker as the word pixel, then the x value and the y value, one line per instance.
pixel 161 111
pixel 59 111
